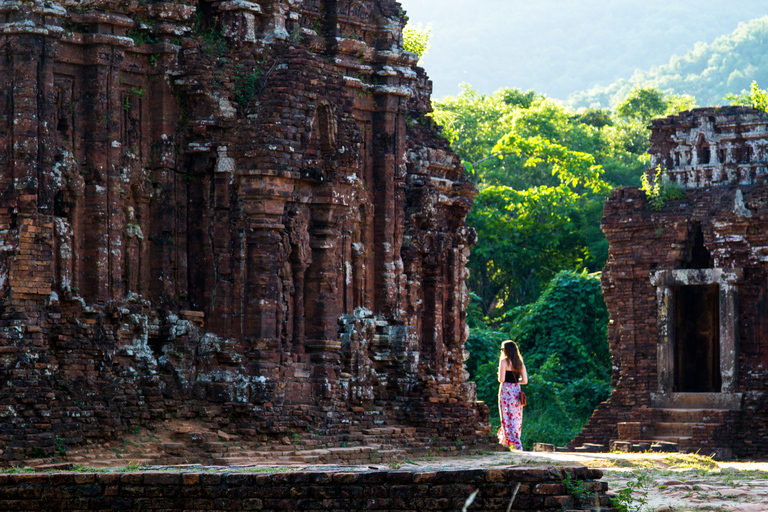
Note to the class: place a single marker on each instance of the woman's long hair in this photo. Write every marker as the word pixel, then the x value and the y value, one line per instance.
pixel 512 352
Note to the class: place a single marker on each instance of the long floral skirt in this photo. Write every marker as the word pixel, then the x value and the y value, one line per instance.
pixel 511 413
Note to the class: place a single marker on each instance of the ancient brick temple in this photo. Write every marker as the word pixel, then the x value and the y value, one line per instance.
pixel 687 290
pixel 233 211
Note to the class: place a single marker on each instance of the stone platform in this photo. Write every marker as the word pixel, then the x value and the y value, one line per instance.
pixel 347 489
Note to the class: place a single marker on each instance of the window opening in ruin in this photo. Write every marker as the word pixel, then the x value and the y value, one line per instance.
pixel 155 344
pixel 696 337
pixel 699 256
pixel 702 151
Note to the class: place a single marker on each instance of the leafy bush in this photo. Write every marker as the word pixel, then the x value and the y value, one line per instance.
pixel 569 321
pixel 416 38
pixel 660 190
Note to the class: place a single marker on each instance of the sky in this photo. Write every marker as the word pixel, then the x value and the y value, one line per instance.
pixel 561 46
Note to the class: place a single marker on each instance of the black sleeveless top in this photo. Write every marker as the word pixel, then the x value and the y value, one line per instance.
pixel 511 376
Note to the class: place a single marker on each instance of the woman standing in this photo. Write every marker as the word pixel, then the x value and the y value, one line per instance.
pixel 512 373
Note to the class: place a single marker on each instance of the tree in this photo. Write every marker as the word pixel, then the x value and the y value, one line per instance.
pixel 543 173
pixel 709 72
pixel 524 238
pixel 642 104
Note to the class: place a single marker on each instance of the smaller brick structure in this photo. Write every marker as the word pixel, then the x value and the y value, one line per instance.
pixel 687 288
pixel 539 489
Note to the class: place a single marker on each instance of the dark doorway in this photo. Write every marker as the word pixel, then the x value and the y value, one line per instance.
pixel 697 339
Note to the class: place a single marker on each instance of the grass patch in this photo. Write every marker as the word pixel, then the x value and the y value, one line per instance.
pixel 692 461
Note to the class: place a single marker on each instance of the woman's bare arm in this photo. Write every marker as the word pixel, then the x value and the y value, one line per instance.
pixel 502 368
pixel 524 376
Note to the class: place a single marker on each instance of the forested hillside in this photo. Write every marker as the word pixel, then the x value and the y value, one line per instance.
pixel 709 72
pixel 557 47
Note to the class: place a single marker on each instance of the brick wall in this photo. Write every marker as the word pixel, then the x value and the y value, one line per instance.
pixel 540 489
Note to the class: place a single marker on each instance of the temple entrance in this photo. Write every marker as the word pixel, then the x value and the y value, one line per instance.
pixel 696 335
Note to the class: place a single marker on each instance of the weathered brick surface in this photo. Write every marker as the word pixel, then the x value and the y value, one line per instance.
pixel 540 490
pixel 231 212
pixel 719 157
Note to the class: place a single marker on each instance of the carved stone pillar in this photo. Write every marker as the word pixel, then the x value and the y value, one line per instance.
pixel 101 247
pixel 322 302
pixel 264 199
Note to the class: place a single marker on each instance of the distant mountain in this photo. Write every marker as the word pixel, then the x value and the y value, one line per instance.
pixel 558 47
pixel 709 72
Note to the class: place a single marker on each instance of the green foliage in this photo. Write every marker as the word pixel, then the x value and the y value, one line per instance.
pixel 543 172
pixel 576 487
pixel 246 85
pixel 710 72
pixel 644 104
pixel 661 189
pixel 208 32
pixel 61 447
pixel 569 322
pixel 524 238
pixel 755 98
pixel 141 37
pixel 563 338
pixel 632 498
pixel 416 39
pixel 39 453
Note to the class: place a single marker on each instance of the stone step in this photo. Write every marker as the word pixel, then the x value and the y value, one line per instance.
pixel 665 429
pixel 231 461
pixel 683 442
pixel 308 459
pixel 667 445
pixel 692 415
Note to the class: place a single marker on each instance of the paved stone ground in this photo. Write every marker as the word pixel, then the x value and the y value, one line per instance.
pixel 660 482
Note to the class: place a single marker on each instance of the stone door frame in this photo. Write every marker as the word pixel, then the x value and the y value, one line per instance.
pixel 727 281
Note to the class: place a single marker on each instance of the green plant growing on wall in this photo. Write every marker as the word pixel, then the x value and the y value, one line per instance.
pixel 246 85
pixel 661 189
pixel 138 91
pixel 416 39
pixel 61 447
pixel 39 453
pixel 576 488
pixel 206 28
pixel 141 37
